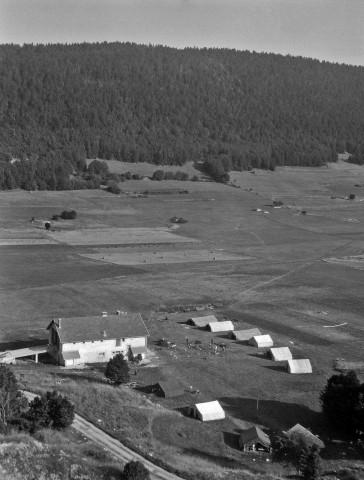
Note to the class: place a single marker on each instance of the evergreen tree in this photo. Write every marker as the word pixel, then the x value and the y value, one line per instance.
pixel 342 401
pixel 312 467
pixel 117 370
pixel 12 402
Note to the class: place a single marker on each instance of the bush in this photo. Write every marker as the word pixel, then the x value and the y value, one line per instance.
pixel 158 175
pixel 135 470
pixel 352 196
pixel 69 215
pixel 113 187
pixel 117 370
pixel 50 410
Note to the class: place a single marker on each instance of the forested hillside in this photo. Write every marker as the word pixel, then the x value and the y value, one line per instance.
pixel 237 110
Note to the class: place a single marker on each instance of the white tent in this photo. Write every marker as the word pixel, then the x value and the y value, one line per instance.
pixel 202 321
pixel 299 366
pixel 245 335
pixel 261 341
pixel 280 354
pixel 220 326
pixel 209 411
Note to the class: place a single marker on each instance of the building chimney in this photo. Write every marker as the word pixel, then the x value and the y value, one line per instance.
pixel 104 314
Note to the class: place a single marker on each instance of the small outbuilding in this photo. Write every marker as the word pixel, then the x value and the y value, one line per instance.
pixel 209 411
pixel 261 341
pixel 298 431
pixel 254 440
pixel 245 335
pixel 280 354
pixel 299 366
pixel 220 326
pixel 202 321
pixel 138 353
pixel 169 388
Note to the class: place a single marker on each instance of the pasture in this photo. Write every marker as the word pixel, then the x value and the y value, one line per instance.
pixel 271 272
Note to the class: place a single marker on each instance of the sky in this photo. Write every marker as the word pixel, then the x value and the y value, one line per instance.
pixel 331 30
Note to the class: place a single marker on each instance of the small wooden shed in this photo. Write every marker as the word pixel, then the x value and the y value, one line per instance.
pixel 254 440
pixel 169 388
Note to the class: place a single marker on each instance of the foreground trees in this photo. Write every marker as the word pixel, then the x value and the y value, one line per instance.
pixel 50 410
pixel 12 401
pixel 297 451
pixel 342 401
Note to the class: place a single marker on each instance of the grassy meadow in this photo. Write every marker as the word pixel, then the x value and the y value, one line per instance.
pixel 267 270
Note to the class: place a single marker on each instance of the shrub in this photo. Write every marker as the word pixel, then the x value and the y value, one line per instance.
pixel 117 370
pixel 69 215
pixel 135 470
pixel 352 196
pixel 158 175
pixel 12 401
pixel 113 187
pixel 50 410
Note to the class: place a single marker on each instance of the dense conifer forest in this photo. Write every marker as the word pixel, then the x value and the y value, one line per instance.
pixel 61 104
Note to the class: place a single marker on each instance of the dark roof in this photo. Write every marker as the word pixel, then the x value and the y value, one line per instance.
pixel 72 355
pixel 254 434
pixel 138 350
pixel 171 387
pixel 87 329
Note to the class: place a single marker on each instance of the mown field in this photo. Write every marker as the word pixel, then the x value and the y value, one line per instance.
pixel 267 269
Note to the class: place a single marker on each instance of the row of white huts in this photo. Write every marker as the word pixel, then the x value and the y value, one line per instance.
pixel 254 337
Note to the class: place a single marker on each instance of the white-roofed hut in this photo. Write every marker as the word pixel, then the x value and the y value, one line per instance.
pixel 261 341
pixel 220 326
pixel 209 411
pixel 280 354
pixel 299 366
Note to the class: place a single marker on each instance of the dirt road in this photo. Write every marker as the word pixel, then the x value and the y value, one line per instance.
pixel 117 449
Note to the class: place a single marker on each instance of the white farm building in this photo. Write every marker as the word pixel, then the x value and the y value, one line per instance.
pixel 261 341
pixel 79 340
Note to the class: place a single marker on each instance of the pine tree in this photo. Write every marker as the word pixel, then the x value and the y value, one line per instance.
pixel 117 370
pixel 312 468
pixel 12 402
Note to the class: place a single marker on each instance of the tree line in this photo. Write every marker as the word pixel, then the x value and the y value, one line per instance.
pixel 61 104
